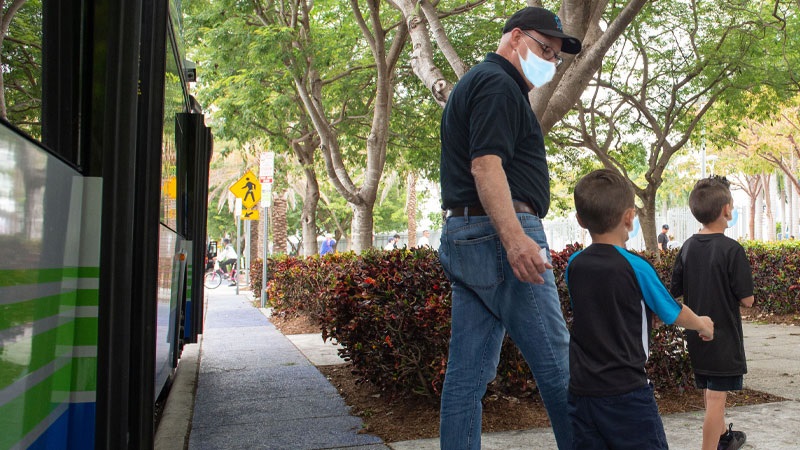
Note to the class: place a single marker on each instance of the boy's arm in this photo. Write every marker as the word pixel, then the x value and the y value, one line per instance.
pixel 702 324
pixel 747 301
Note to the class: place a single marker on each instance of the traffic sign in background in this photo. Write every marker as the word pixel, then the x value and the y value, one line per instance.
pixel 248 188
pixel 250 214
pixel 266 172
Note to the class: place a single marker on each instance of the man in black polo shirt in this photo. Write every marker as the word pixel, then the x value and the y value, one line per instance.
pixel 495 188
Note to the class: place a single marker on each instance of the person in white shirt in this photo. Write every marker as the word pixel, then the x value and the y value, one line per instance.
pixel 227 257
pixel 393 243
pixel 425 240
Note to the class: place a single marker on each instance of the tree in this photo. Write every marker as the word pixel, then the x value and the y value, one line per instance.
pixel 333 66
pixel 21 59
pixel 595 22
pixel 673 64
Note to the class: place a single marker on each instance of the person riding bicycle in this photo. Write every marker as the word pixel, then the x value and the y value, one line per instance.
pixel 227 256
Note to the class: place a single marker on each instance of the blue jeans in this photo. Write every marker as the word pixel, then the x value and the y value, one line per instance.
pixel 489 300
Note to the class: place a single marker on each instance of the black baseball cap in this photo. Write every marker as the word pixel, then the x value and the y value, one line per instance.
pixel 544 21
pixel 665 226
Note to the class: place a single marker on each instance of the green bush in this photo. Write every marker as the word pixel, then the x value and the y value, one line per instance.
pixel 776 276
pixel 391 313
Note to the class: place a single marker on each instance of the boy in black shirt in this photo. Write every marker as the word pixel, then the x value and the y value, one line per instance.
pixel 614 293
pixel 713 274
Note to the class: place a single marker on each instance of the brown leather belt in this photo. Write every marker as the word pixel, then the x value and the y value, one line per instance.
pixel 477 210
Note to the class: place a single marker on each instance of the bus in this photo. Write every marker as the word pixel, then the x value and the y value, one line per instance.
pixel 104 159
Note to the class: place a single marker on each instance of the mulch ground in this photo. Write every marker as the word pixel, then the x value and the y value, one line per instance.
pixel 419 417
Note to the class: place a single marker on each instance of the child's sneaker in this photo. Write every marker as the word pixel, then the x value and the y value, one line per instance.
pixel 731 440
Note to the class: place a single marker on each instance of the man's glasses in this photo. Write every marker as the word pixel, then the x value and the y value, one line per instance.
pixel 548 53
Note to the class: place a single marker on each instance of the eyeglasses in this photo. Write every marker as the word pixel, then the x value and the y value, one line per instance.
pixel 547 51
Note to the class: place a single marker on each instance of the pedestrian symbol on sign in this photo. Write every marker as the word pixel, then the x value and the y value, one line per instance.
pixel 248 189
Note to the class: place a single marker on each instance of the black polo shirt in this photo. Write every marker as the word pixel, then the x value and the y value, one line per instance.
pixel 488 113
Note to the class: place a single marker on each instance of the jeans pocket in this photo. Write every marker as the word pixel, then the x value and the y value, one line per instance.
pixel 478 262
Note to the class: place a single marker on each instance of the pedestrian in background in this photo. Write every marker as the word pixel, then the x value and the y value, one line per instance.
pixel 663 238
pixel 328 245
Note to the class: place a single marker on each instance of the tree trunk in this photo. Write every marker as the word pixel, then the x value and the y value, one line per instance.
pixel 309 217
pixel 582 19
pixel 760 216
pixel 411 209
pixel 647 220
pixel 769 232
pixel 751 222
pixel 361 228
pixel 794 214
pixel 279 225
pixel 255 242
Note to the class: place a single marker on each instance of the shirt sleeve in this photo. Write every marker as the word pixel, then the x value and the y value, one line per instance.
pixel 655 294
pixel 566 274
pixel 676 282
pixel 493 125
pixel 741 274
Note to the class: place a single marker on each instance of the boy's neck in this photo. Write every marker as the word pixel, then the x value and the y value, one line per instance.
pixel 715 227
pixel 616 237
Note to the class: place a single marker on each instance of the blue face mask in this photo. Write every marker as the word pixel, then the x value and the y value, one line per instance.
pixel 538 71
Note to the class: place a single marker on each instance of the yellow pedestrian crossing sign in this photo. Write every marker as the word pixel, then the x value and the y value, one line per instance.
pixel 250 214
pixel 248 188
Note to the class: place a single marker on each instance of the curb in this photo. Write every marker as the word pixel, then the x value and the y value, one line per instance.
pixel 176 420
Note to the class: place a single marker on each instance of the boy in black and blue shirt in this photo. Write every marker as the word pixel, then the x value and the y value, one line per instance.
pixel 614 294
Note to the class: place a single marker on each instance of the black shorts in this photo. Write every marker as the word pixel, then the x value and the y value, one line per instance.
pixel 627 421
pixel 717 383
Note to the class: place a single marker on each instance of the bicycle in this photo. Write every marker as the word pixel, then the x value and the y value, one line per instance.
pixel 213 278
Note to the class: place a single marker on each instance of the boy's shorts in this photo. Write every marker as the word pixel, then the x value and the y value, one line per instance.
pixel 627 421
pixel 717 383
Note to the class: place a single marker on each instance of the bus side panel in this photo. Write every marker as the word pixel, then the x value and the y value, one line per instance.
pixel 50 230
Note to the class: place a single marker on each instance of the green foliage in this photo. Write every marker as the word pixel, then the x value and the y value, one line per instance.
pixel 22 68
pixel 776 275
pixel 391 312
pixel 220 223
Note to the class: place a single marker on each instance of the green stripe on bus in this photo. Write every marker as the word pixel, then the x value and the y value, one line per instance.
pixel 84 374
pixel 88 272
pixel 41 349
pixel 16 314
pixel 88 297
pixel 86 331
pixel 16 277
pixel 19 416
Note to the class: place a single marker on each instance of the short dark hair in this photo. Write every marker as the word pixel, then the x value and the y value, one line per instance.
pixel 601 198
pixel 708 198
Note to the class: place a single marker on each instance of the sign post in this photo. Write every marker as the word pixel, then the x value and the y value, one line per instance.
pixel 266 172
pixel 238 212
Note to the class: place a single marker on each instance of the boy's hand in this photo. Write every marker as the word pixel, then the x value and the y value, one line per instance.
pixel 706 331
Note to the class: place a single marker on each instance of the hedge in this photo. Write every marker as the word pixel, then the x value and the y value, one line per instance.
pixel 391 313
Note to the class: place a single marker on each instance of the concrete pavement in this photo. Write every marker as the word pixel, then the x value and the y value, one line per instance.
pixel 259 389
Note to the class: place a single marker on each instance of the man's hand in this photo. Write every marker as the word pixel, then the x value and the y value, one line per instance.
pixel 526 260
pixel 523 252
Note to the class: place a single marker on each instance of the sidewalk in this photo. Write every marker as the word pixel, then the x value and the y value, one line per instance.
pixel 257 388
